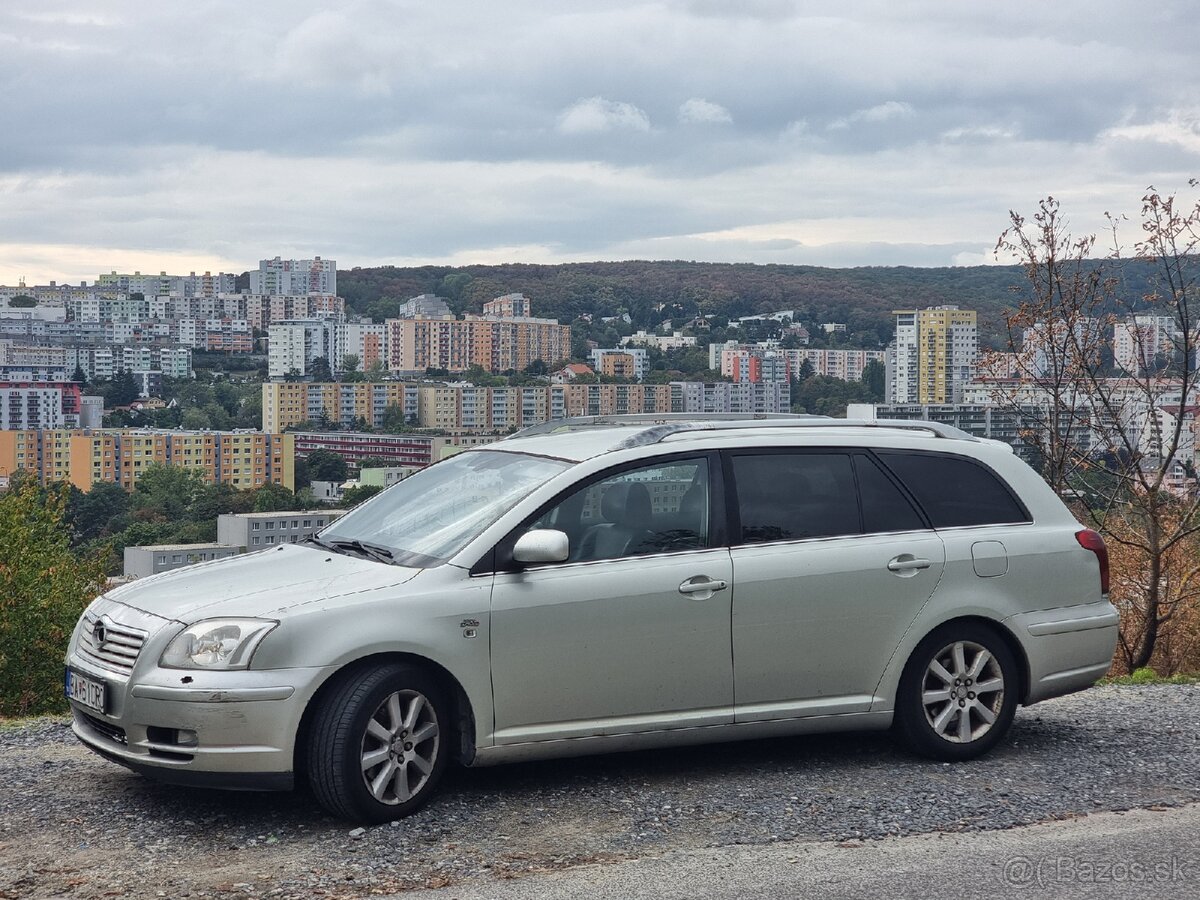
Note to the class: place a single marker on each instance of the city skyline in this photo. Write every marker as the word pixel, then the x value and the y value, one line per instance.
pixel 185 138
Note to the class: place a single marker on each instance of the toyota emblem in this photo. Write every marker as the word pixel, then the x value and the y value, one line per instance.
pixel 99 633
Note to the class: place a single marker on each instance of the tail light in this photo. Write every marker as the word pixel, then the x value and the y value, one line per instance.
pixel 1090 540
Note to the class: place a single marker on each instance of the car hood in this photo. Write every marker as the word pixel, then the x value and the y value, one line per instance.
pixel 264 583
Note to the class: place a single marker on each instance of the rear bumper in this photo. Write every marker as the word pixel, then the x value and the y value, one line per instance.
pixel 1069 648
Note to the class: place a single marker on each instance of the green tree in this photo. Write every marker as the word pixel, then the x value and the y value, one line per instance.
pixel 356 495
pixel 79 376
pixel 195 419
pixel 325 465
pixel 167 492
pixel 272 498
pixel 394 421
pixel 376 371
pixel 320 370
pixel 98 512
pixel 350 370
pixel 43 590
pixel 873 376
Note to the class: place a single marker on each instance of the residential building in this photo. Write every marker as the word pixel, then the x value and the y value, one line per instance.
pixel 294 276
pixel 287 404
pixel 608 399
pixel 1140 340
pixel 384 477
pixel 34 405
pixel 509 306
pixel 731 397
pixel 674 341
pixel 365 340
pixel 151 559
pixel 293 345
pixel 627 362
pixel 933 356
pixel 412 449
pixel 454 345
pixel 258 530
pixel 243 459
pixel 425 306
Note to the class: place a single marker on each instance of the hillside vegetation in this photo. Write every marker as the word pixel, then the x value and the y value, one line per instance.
pixel 863 298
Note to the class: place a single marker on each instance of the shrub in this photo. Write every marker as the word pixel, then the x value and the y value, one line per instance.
pixel 43 589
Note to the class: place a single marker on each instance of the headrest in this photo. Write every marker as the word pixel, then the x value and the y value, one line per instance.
pixel 626 503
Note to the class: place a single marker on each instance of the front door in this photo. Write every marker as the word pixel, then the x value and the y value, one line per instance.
pixel 632 633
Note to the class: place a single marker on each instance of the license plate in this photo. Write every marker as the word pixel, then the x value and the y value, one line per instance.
pixel 87 691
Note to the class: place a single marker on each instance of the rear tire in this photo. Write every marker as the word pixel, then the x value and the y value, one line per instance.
pixel 958 693
pixel 379 743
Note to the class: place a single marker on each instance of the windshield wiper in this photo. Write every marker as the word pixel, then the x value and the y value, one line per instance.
pixel 323 544
pixel 371 551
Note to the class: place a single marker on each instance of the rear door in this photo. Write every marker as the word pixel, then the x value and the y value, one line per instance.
pixel 827 582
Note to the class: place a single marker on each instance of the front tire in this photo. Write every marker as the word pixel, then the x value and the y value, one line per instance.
pixel 958 693
pixel 379 743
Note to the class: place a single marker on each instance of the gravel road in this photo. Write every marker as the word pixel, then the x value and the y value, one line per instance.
pixel 72 824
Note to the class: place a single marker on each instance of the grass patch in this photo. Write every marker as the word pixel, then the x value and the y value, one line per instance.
pixel 1149 676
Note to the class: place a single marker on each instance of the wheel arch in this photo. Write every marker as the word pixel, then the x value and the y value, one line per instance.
pixel 1002 631
pixel 462 715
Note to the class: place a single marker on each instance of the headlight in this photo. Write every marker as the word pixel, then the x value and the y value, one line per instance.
pixel 216 644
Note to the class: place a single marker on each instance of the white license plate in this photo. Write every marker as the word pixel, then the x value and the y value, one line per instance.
pixel 88 691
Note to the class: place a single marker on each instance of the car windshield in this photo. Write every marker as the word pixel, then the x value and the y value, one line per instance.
pixel 430 516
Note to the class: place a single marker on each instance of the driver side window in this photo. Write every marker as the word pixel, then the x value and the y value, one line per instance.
pixel 655 509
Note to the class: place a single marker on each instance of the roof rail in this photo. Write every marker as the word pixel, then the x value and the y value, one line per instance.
pixel 659 426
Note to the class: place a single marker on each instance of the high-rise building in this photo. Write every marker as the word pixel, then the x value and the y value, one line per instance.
pixel 933 355
pixel 293 345
pixel 294 276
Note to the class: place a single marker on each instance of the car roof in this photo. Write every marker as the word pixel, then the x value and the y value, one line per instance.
pixel 583 438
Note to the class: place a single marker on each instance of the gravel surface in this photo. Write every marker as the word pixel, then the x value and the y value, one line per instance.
pixel 73 824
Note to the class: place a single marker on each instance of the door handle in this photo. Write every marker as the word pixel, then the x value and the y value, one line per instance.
pixel 696 586
pixel 906 563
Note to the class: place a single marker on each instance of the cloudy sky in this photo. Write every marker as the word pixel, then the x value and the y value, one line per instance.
pixel 209 134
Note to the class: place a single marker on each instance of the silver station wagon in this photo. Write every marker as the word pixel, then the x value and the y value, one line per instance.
pixel 609 584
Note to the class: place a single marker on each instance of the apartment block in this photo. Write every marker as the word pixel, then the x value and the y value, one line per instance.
pixel 933 356
pixel 31 405
pixel 425 306
pixel 287 404
pixel 626 362
pixel 365 340
pixel 454 345
pixel 294 276
pixel 243 459
pixel 257 530
pixel 355 447
pixel 727 397
pixel 509 306
pixel 609 399
pixel 293 345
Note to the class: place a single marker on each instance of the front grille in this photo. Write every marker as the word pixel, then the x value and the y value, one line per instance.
pixel 119 648
pixel 112 732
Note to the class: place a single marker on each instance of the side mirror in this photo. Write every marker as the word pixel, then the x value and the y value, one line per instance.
pixel 542 545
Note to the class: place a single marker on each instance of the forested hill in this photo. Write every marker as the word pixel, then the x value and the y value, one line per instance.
pixel 861 297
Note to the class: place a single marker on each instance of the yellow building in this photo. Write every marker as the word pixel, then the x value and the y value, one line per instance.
pixel 120 455
pixel 287 404
pixel 934 354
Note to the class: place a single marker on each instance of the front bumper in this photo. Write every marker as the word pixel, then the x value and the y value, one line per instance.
pixel 220 728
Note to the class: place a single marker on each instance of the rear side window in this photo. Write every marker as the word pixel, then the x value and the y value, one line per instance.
pixel 884 506
pixel 955 491
pixel 790 496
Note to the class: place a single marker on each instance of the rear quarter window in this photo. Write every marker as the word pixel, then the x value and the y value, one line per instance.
pixel 955 491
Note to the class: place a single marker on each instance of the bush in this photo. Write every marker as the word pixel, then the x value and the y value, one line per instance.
pixel 43 589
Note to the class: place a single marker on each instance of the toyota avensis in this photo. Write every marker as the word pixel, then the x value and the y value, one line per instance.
pixel 609 584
